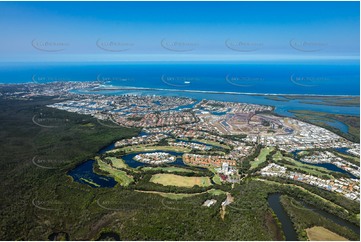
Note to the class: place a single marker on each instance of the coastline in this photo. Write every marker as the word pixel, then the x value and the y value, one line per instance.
pixel 119 88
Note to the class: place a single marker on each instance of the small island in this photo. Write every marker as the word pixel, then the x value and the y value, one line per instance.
pixel 155 158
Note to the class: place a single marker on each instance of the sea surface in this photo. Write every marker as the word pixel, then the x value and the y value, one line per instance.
pixel 295 77
pixel 232 81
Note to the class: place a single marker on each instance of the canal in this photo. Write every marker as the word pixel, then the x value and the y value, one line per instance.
pixel 128 159
pixel 328 166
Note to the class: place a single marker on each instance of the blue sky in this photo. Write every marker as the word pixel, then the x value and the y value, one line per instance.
pixel 178 31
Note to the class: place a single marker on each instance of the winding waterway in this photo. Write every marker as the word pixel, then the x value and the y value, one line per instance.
pixel 334 218
pixel 328 166
pixel 84 173
pixel 287 225
pixel 128 159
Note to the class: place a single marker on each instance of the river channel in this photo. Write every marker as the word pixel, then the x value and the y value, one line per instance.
pixel 287 226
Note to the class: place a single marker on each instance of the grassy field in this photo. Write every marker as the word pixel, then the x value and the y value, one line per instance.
pixel 353 159
pixel 181 181
pixel 120 176
pixel 261 157
pixel 304 152
pixel 216 192
pixel 118 162
pixel 309 169
pixel 318 233
pixel 217 179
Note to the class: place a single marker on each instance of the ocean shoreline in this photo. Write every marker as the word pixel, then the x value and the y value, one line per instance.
pixel 120 88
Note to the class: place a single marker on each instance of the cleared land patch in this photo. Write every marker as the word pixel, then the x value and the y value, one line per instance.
pixel 318 233
pixel 180 181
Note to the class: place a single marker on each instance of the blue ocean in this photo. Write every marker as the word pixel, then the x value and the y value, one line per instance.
pixel 321 78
